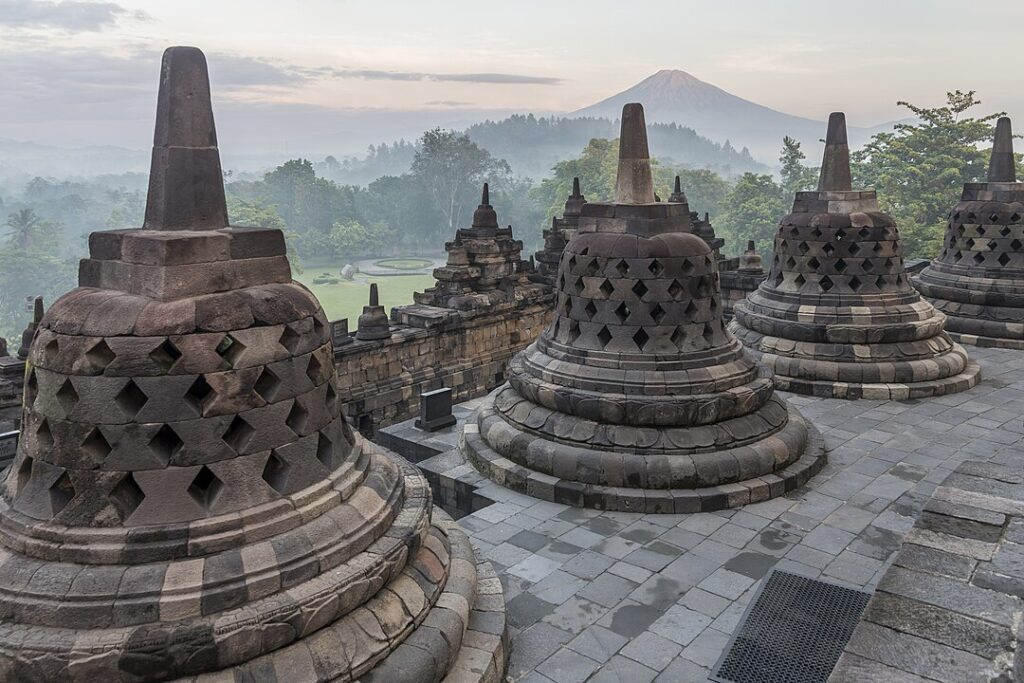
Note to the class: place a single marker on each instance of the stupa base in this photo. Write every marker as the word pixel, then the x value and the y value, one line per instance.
pixel 986 342
pixel 735 493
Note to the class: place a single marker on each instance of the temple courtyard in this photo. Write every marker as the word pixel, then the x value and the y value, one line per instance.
pixel 615 596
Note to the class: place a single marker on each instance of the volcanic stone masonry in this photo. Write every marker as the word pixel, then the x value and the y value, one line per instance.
pixel 186 501
pixel 484 266
pixel 978 278
pixel 562 230
pixel 636 397
pixel 837 315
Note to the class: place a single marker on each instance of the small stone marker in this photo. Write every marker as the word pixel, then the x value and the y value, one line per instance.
pixel 435 410
pixel 339 333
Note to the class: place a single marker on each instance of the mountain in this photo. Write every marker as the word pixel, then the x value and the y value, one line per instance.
pixel 676 96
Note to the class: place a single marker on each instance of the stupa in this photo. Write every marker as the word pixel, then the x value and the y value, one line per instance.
pixel 978 278
pixel 562 230
pixel 187 502
pixel 837 315
pixel 636 397
pixel 484 266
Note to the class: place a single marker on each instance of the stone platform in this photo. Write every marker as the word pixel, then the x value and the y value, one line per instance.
pixel 612 596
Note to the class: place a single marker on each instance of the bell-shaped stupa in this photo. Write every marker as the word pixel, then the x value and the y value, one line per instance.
pixel 978 278
pixel 636 397
pixel 561 231
pixel 837 315
pixel 187 501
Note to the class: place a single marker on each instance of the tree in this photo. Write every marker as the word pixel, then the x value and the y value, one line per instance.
pixel 752 211
pixel 452 168
pixel 795 176
pixel 23 227
pixel 350 239
pixel 919 169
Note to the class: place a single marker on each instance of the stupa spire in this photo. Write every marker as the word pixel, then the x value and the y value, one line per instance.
pixel 1002 164
pixel 835 165
pixel 678 196
pixel 634 183
pixel 186 185
pixel 575 187
pixel 484 216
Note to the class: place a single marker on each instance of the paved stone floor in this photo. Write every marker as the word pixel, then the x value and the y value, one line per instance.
pixel 610 596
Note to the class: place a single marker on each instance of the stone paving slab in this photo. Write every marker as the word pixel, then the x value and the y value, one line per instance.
pixel 604 596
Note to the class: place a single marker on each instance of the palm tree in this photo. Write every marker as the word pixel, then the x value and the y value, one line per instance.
pixel 23 225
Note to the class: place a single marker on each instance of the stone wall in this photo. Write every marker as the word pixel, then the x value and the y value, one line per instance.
pixel 379 382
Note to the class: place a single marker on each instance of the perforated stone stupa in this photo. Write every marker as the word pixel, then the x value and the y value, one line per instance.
pixel 562 230
pixel 837 315
pixel 484 266
pixel 187 501
pixel 636 397
pixel 978 278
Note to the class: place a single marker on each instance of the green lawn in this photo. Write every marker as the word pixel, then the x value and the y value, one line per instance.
pixel 346 299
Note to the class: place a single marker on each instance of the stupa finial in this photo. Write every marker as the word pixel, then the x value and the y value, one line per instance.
pixel 634 183
pixel 186 185
pixel 374 295
pixel 575 187
pixel 1002 164
pixel 835 165
pixel 484 216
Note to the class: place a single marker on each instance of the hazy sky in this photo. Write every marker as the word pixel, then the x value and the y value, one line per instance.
pixel 79 71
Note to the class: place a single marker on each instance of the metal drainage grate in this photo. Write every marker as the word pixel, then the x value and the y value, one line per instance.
pixel 793 631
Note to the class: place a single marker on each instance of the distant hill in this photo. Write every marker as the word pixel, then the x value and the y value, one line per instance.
pixel 676 96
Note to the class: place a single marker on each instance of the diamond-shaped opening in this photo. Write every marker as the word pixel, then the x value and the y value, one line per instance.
pixel 230 349
pixel 318 331
pixel 31 388
pixel 604 336
pixel 566 306
pixel 584 251
pixel 704 285
pixel 165 355
pixel 590 309
pixel 289 339
pixel 238 433
pixel 66 396
pixel 592 267
pixel 713 303
pixel 656 268
pixel 578 286
pixel 657 313
pixel 275 472
pixel 1005 232
pixel 100 355
pixel 200 394
pixel 790 263
pixel 979 258
pixel 640 289
pixel 970 216
pixel 854 249
pixel 325 452
pixel 96 446
pixel 840 265
pixel 969 243
pixel 794 231
pixel 863 233
pixel 267 385
pixel 165 444
pixel 855 283
pixel 816 233
pixel 782 245
pixel 708 333
pixel 828 249
pixel 315 370
pixel 825 283
pixel 840 234
pixel 640 338
pixel 205 487
pixel 24 474
pixel 958 255
pixel 804 247
pixel 675 289
pixel 878 248
pixel 43 434
pixel 622 312
pixel 561 281
pixel 131 399
pixel 687 266
pixel 1003 259
pixel 1016 245
pixel 622 267
pixel 297 418
pixel 880 282
pixel 992 244
pixel 50 352
pixel 678 337
pixel 126 496
pixel 1014 217
pixel 331 398
pixel 799 280
pixel 607 288
pixel 61 492
pixel 814 263
pixel 994 217
pixel 572 262
pixel 574 331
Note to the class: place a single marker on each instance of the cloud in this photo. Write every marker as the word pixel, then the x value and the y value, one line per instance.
pixel 448 103
pixel 494 78
pixel 67 15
